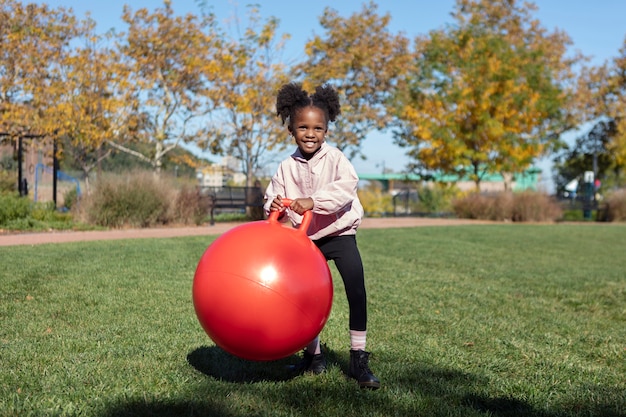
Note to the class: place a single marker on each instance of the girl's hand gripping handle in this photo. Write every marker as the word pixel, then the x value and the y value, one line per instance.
pixel 306 217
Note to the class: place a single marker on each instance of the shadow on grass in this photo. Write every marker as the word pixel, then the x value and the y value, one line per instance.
pixel 505 407
pixel 455 393
pixel 419 390
pixel 501 406
pixel 463 394
pixel 221 365
pixel 172 408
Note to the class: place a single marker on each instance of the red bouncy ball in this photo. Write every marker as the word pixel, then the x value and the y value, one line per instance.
pixel 262 291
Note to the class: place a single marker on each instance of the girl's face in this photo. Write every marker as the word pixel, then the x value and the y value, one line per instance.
pixel 309 128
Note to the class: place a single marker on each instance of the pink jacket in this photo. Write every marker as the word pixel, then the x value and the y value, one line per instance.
pixel 330 180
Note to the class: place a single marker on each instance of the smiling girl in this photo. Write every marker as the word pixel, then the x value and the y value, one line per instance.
pixel 319 178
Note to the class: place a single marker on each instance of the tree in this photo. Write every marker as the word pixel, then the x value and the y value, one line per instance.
pixel 600 99
pixel 364 61
pixel 246 125
pixel 589 152
pixel 34 39
pixel 487 94
pixel 173 60
pixel 95 101
pixel 614 98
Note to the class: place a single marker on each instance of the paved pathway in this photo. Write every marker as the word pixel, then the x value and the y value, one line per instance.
pixel 219 228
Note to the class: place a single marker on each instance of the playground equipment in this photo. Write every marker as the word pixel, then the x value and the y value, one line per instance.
pixel 60 175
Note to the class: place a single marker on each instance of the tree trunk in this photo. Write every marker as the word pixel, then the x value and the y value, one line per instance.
pixel 508 181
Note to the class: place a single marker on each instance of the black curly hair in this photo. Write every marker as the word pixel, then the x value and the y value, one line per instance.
pixel 291 98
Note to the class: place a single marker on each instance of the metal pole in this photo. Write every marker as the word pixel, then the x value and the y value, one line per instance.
pixel 20 162
pixel 55 168
pixel 595 168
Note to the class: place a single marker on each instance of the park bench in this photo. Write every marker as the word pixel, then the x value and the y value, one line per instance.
pixel 233 198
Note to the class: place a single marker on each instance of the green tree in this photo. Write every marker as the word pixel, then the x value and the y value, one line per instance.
pixel 589 152
pixel 364 61
pixel 487 94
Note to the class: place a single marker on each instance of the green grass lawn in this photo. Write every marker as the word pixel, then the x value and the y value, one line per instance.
pixel 502 320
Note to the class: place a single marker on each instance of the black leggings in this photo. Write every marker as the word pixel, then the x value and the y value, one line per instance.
pixel 344 252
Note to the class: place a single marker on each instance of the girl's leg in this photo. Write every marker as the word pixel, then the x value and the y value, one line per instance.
pixel 345 253
pixel 343 250
pixel 314 346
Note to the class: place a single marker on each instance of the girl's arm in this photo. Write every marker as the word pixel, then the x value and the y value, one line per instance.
pixel 276 188
pixel 339 191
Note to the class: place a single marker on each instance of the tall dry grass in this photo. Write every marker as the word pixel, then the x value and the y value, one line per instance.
pixel 526 206
pixel 615 206
pixel 141 199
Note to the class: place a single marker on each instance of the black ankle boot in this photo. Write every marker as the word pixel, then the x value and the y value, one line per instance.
pixel 315 364
pixel 359 370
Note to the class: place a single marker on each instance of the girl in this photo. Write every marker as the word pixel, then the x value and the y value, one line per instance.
pixel 320 178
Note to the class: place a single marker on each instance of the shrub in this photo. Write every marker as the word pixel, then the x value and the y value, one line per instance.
pixel 375 202
pixel 44 211
pixel 70 198
pixel 139 200
pixel 615 206
pixel 190 206
pixel 13 207
pixel 519 207
pixel 436 198
pixel 8 181
pixel 484 207
pixel 471 206
pixel 530 206
pixel 20 213
pixel 573 215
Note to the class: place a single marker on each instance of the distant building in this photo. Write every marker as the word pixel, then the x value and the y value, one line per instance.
pixel 222 174
pixel 213 176
pixel 393 182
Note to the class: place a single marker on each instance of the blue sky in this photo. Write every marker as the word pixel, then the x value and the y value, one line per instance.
pixel 596 27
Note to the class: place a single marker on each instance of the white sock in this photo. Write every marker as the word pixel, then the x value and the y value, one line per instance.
pixel 314 346
pixel 358 338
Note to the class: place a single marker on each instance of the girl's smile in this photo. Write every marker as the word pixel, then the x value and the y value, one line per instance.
pixel 309 127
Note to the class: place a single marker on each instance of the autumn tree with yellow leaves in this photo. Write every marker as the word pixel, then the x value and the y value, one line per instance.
pixel 34 43
pixel 245 125
pixel 610 101
pixel 487 94
pixel 95 101
pixel 361 58
pixel 172 62
pixel 616 107
pixel 601 101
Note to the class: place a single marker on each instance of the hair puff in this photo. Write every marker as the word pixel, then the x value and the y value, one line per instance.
pixel 292 97
pixel 326 98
